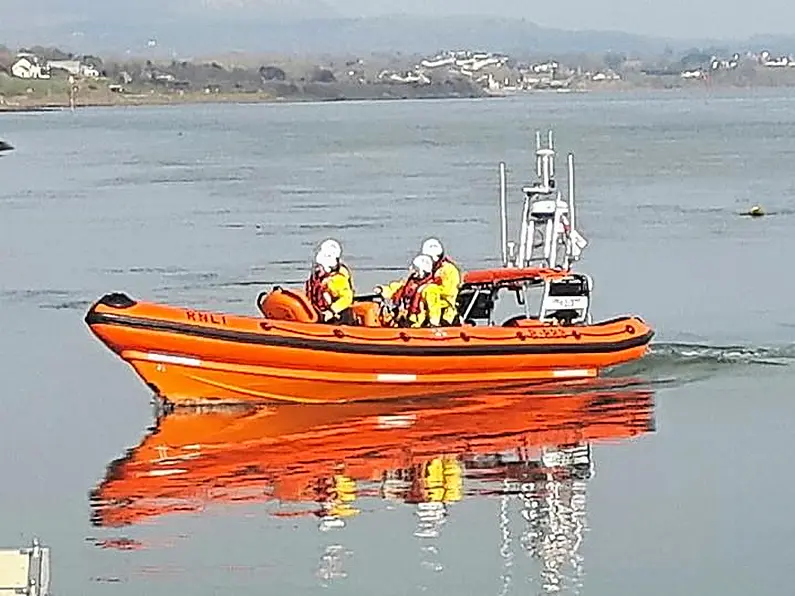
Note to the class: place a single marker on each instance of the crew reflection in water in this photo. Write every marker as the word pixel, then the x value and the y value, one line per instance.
pixel 528 449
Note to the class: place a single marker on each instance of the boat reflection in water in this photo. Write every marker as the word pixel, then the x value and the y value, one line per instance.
pixel 526 448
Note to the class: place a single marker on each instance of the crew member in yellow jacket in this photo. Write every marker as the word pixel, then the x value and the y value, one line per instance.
pixel 447 276
pixel 417 300
pixel 330 291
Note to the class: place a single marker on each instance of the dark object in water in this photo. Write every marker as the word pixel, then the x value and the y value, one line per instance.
pixel 755 211
pixel 5 146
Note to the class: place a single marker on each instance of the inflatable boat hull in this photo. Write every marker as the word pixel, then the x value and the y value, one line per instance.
pixel 188 356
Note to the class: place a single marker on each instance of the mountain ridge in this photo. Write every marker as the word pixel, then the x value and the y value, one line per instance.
pixel 273 31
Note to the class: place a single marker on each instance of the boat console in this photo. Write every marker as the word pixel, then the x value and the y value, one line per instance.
pixel 568 300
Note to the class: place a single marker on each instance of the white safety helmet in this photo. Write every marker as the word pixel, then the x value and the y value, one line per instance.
pixel 433 248
pixel 422 265
pixel 331 247
pixel 326 260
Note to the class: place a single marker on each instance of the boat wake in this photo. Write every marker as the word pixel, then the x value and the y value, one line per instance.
pixel 679 363
pixel 55 299
pixel 776 356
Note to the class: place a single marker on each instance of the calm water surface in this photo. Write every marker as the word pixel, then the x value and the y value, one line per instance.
pixel 674 475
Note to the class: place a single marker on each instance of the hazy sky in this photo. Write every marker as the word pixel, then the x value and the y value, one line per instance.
pixel 674 18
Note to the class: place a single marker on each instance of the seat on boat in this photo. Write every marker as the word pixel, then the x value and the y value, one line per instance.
pixel 287 305
pixel 282 304
pixel 366 314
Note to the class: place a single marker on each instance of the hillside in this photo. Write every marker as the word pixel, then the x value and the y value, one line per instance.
pixel 276 26
pixel 275 31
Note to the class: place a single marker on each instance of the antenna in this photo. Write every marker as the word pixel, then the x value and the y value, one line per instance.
pixel 571 190
pixel 503 215
pixel 538 147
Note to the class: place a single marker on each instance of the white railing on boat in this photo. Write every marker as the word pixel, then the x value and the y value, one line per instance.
pixel 548 236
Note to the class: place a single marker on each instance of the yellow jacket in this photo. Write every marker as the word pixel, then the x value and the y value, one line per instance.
pixel 431 303
pixel 449 279
pixel 345 271
pixel 388 290
pixel 339 287
pixel 431 306
pixel 442 480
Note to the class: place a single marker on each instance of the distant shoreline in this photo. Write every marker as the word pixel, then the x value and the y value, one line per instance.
pixel 31 105
pixel 44 79
pixel 46 104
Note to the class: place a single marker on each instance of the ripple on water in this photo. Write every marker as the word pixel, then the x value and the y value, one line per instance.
pixel 48 299
pixel 677 364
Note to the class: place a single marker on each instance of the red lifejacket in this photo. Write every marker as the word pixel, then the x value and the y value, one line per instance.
pixel 315 286
pixel 409 297
pixel 438 265
pixel 316 289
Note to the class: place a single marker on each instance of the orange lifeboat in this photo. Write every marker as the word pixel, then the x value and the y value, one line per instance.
pixel 288 454
pixel 188 356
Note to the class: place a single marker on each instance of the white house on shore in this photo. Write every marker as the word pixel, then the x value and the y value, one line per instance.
pixel 27 66
pixel 74 67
